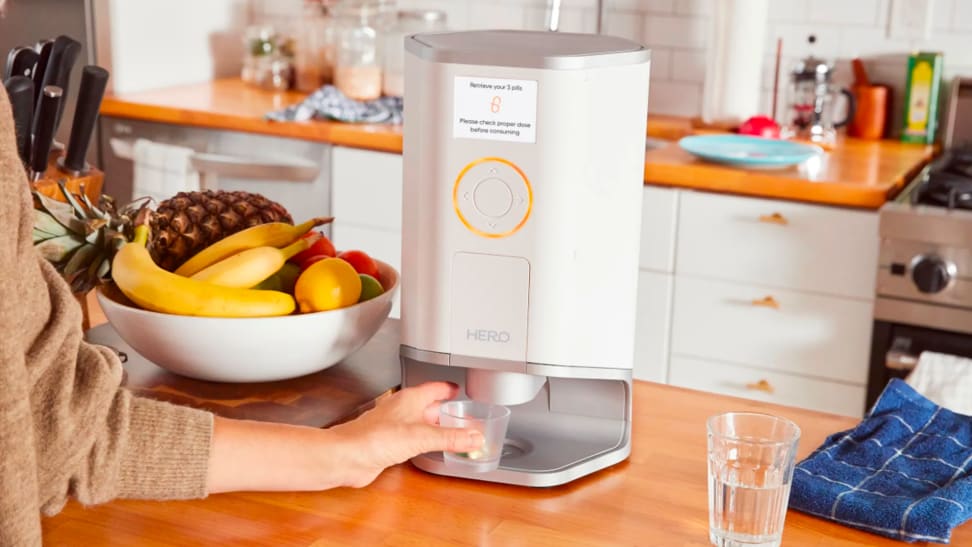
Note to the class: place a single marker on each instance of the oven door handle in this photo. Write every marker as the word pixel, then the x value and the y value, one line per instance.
pixel 221 165
pixel 899 360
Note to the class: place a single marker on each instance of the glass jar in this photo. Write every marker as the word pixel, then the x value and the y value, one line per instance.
pixel 357 65
pixel 268 61
pixel 408 22
pixel 314 57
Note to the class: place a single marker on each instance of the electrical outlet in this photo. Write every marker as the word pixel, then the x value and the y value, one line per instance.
pixel 910 19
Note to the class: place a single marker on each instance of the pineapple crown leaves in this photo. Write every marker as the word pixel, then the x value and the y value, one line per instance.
pixel 79 238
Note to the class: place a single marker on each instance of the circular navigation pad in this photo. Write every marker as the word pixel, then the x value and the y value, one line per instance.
pixel 492 197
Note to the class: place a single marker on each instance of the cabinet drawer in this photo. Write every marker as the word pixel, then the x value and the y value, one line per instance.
pixel 659 210
pixel 653 326
pixel 787 389
pixel 813 335
pixel 385 246
pixel 367 188
pixel 778 243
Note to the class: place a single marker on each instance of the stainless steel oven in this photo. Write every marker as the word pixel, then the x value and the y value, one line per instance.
pixel 924 281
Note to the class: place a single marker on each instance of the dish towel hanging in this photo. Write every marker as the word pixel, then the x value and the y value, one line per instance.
pixel 903 472
pixel 945 379
pixel 162 170
pixel 328 103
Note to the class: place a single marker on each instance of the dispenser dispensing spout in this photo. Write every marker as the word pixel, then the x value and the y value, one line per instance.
pixel 502 388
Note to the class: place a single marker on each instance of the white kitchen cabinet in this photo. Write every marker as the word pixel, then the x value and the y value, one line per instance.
pixel 770 386
pixel 658 222
pixel 653 326
pixel 770 328
pixel 778 243
pixel 366 188
pixel 366 202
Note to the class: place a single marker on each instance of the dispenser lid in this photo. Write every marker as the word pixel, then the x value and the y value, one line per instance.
pixel 527 49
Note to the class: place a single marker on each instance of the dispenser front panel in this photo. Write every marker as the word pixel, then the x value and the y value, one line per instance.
pixel 490 303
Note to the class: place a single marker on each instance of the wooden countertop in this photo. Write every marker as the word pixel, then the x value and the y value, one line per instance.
pixel 656 497
pixel 856 173
pixel 233 105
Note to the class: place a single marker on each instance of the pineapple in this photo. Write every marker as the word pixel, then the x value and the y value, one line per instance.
pixel 189 222
pixel 81 239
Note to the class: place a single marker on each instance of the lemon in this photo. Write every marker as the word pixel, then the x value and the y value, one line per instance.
pixel 327 284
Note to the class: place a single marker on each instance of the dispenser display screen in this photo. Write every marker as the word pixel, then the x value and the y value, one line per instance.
pixel 495 109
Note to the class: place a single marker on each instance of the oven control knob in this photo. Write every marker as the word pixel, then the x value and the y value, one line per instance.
pixel 932 274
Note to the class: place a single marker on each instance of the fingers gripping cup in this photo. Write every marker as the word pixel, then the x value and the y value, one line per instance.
pixel 491 420
pixel 751 460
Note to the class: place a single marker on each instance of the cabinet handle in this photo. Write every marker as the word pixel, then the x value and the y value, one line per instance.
pixel 761 385
pixel 775 218
pixel 767 302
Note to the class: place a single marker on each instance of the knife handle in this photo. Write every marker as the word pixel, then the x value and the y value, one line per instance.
pixel 64 52
pixel 43 56
pixel 94 80
pixel 51 98
pixel 72 49
pixel 49 78
pixel 20 89
pixel 21 62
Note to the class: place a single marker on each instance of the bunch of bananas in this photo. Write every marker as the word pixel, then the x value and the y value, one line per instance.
pixel 219 280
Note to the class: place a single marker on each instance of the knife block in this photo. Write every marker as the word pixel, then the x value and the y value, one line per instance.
pixel 92 182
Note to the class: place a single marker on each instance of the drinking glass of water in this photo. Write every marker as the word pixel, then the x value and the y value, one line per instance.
pixel 751 459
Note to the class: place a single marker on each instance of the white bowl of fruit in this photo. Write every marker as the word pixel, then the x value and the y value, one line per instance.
pixel 270 302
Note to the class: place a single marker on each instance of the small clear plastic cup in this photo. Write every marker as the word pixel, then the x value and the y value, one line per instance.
pixel 491 420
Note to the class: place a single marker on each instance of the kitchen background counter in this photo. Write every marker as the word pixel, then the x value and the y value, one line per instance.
pixel 857 173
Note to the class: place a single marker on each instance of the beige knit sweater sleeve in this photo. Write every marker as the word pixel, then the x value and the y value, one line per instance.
pixel 66 428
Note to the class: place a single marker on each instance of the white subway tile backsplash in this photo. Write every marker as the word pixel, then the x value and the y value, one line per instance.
pixel 675 98
pixel 962 15
pixel 642 6
pixel 793 11
pixel 943 14
pixel 661 65
pixel 688 66
pixel 695 7
pixel 496 16
pixel 681 32
pixel 868 42
pixel 795 39
pixel 844 12
pixel 625 24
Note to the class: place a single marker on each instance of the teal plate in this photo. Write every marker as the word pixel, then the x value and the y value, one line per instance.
pixel 750 152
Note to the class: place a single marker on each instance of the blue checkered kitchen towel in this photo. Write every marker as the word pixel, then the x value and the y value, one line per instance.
pixel 328 103
pixel 903 472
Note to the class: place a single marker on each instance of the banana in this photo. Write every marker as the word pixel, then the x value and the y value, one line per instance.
pixel 151 287
pixel 249 268
pixel 271 234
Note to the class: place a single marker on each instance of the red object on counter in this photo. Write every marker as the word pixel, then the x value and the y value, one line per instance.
pixel 760 126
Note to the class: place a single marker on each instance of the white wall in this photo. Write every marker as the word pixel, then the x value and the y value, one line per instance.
pixel 149 45
pixel 677 32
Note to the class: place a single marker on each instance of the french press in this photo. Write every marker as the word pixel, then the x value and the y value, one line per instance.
pixel 813 102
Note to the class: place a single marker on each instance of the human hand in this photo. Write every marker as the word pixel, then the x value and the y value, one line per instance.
pixel 399 428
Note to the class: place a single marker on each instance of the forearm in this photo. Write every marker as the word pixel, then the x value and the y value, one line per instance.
pixel 261 456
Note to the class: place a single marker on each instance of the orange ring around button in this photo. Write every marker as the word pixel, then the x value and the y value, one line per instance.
pixel 462 218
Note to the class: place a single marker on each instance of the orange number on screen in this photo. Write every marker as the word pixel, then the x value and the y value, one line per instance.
pixel 495 106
